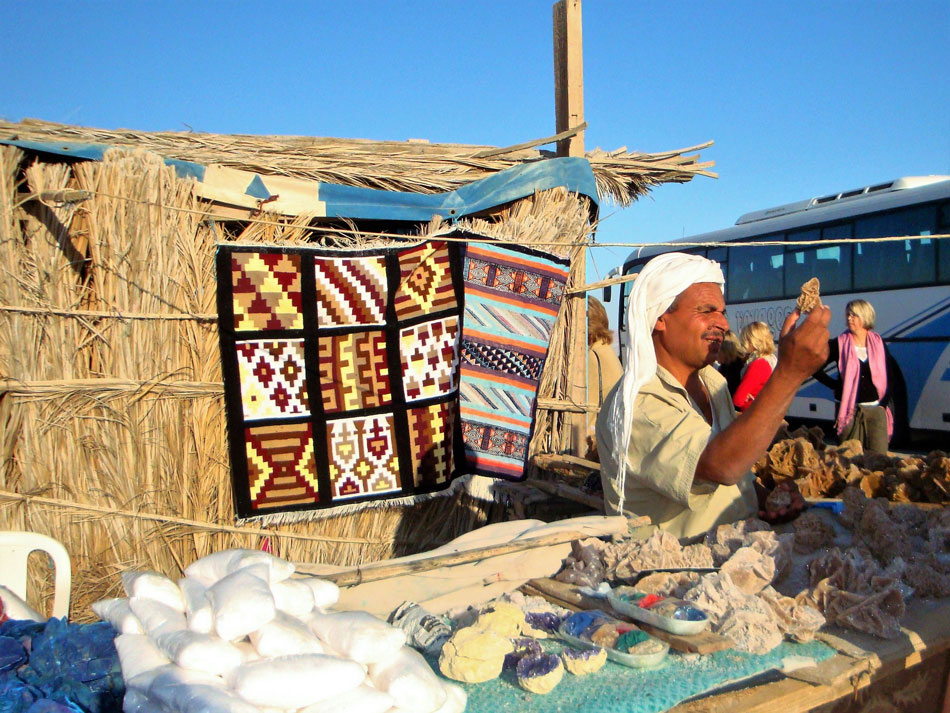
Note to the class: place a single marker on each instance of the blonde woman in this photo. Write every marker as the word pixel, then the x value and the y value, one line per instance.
pixel 866 372
pixel 757 343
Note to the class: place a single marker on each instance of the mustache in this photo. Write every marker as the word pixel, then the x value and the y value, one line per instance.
pixel 714 334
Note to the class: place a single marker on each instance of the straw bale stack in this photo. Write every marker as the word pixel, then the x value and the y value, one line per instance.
pixel 111 403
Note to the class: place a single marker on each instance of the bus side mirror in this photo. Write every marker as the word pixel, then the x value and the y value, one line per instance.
pixel 609 288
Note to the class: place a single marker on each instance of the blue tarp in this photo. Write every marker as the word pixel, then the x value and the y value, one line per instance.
pixel 337 201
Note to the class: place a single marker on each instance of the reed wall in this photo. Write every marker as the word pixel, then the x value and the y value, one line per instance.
pixel 112 429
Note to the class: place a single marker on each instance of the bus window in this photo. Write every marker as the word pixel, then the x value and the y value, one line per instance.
pixel 718 255
pixel 755 272
pixel 833 262
pixel 800 261
pixel 895 263
pixel 943 250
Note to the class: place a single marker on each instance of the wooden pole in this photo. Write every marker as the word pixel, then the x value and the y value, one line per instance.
pixel 568 75
pixel 373 573
pixel 569 112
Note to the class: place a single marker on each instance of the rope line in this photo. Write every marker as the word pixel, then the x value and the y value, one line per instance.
pixel 590 242
pixel 197 524
pixel 209 318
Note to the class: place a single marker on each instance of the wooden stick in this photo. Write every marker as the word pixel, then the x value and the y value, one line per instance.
pixel 565 491
pixel 386 571
pixel 568 73
pixel 563 405
pixel 567 593
pixel 566 134
pixel 64 195
pixel 705 642
pixel 103 387
pixel 563 460
pixel 602 283
pixel 79 313
pixel 535 592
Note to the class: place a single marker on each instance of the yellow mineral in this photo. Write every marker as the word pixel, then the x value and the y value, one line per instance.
pixel 504 619
pixel 474 655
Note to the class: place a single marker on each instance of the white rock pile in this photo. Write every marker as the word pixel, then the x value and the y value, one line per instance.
pixel 241 634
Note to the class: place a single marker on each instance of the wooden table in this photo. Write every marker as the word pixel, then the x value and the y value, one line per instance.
pixel 868 674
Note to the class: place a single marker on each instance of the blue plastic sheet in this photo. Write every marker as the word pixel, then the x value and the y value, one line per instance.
pixel 12 653
pixel 338 201
pixel 58 667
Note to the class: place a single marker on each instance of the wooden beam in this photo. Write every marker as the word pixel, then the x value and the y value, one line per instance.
pixel 562 490
pixel 531 144
pixel 62 195
pixel 552 461
pixel 591 286
pixel 568 75
pixel 383 570
pixel 577 363
pixel 569 112
pixel 925 633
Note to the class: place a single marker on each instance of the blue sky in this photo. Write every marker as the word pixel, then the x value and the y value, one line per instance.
pixel 802 98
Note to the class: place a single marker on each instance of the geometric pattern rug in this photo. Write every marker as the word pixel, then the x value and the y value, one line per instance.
pixel 355 378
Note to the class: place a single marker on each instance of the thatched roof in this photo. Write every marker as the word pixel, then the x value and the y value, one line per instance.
pixel 415 166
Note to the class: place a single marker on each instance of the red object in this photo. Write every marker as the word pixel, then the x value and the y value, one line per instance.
pixel 649 600
pixel 3 614
pixel 755 377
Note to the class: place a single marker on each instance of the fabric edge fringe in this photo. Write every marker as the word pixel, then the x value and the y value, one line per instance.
pixel 477 486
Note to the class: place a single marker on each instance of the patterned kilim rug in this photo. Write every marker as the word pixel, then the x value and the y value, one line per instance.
pixel 356 378
pixel 512 297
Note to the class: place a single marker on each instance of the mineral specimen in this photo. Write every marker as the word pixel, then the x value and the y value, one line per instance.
pixel 584 661
pixel 668 584
pixel 809 297
pixel 584 566
pixel 750 570
pixel 796 620
pixel 522 647
pixel 504 619
pixel 812 532
pixel 540 674
pixel 473 655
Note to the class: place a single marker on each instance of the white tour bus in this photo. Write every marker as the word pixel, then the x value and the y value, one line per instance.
pixel 907 282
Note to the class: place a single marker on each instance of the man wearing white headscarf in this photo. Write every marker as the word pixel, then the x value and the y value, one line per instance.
pixel 671 445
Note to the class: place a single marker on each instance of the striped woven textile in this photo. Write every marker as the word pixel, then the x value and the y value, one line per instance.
pixel 512 297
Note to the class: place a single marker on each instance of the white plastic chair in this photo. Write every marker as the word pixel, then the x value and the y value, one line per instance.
pixel 15 549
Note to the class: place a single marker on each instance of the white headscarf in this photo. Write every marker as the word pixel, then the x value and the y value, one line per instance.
pixel 658 284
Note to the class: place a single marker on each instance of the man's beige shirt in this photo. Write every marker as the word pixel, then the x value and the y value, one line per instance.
pixel 667 438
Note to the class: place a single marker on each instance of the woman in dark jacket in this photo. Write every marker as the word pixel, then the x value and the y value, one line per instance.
pixel 731 359
pixel 866 372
